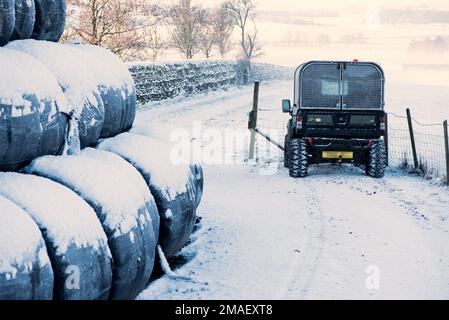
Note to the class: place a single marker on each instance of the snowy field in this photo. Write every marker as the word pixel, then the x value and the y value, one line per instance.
pixel 336 234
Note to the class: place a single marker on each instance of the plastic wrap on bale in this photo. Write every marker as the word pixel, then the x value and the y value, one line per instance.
pixel 76 242
pixel 25 269
pixel 25 14
pixel 73 69
pixel 33 109
pixel 116 87
pixel 170 184
pixel 124 205
pixel 162 132
pixel 50 19
pixel 7 20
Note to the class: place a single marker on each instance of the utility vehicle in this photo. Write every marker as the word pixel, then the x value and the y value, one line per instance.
pixel 337 116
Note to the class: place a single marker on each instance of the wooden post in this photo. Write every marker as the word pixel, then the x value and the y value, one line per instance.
pixel 253 121
pixel 412 138
pixel 446 147
pixel 386 138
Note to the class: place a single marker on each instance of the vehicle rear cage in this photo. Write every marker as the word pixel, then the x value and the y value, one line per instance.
pixel 336 85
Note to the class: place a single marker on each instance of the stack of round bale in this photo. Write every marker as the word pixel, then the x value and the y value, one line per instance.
pixel 85 224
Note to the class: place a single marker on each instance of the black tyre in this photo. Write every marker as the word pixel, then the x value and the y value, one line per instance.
pixel 377 160
pixel 50 20
pixel 174 195
pixel 123 204
pixel 7 20
pixel 26 272
pixel 77 81
pixel 25 12
pixel 286 152
pixel 298 158
pixel 76 242
pixel 34 123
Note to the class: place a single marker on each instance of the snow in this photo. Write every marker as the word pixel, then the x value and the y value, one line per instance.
pixel 71 67
pixel 20 240
pixel 265 235
pixel 109 71
pixel 104 179
pixel 152 156
pixel 24 76
pixel 66 218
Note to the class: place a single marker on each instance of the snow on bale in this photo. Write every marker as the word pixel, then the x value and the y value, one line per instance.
pixel 162 132
pixel 116 87
pixel 171 185
pixel 7 20
pixel 73 70
pixel 76 242
pixel 25 269
pixel 25 13
pixel 50 19
pixel 124 205
pixel 33 109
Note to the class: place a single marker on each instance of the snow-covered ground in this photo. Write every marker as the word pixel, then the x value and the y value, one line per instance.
pixel 334 234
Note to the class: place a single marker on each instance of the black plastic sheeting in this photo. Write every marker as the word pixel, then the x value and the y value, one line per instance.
pixel 30 135
pixel 35 283
pixel 198 181
pixel 119 100
pixel 50 19
pixel 177 211
pixel 133 251
pixel 91 117
pixel 91 258
pixel 25 12
pixel 7 20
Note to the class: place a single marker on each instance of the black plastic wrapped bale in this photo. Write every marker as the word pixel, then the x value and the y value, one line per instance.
pixel 123 203
pixel 25 269
pixel 117 90
pixel 33 119
pixel 74 71
pixel 7 20
pixel 76 242
pixel 162 132
pixel 50 19
pixel 25 13
pixel 170 184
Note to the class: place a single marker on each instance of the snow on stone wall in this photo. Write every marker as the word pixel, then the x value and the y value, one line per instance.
pixel 155 82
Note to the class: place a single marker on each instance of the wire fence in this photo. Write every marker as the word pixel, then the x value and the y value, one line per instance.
pixel 429 141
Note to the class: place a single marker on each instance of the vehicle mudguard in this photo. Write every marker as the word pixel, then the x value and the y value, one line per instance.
pixel 33 119
pixel 76 242
pixel 25 15
pixel 50 19
pixel 123 204
pixel 116 87
pixel 7 20
pixel 171 185
pixel 73 69
pixel 25 268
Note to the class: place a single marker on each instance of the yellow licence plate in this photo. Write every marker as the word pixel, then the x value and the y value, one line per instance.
pixel 338 155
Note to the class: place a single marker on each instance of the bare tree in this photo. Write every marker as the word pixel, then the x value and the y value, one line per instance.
pixel 187 22
pixel 243 14
pixel 156 44
pixel 207 39
pixel 223 25
pixel 120 25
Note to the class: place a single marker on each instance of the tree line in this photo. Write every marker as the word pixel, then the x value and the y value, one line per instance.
pixel 144 29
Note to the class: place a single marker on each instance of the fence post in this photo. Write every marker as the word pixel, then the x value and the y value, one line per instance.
pixel 446 147
pixel 253 121
pixel 412 138
pixel 386 138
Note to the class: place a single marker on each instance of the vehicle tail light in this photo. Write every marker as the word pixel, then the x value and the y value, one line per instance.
pixel 382 123
pixel 370 143
pixel 310 141
pixel 299 121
